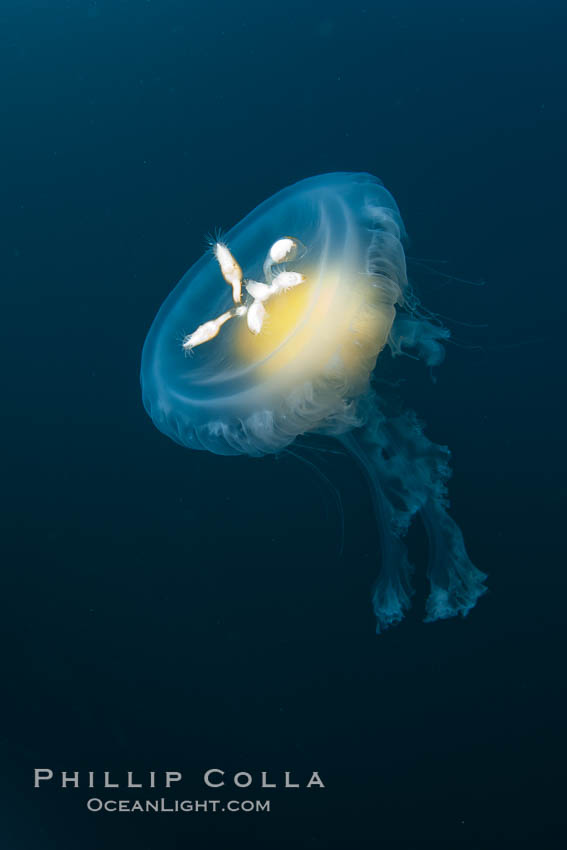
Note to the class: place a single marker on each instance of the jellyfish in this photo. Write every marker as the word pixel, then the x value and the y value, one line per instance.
pixel 280 331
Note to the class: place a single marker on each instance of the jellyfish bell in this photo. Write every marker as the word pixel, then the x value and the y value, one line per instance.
pixel 319 276
pixel 328 314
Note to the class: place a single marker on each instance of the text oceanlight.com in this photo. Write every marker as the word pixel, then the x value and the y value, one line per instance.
pixel 162 805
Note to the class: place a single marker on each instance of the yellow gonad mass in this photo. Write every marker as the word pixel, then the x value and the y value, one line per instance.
pixel 308 329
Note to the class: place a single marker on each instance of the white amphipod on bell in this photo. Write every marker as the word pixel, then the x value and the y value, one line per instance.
pixel 287 280
pixel 209 330
pixel 203 334
pixel 258 291
pixel 230 270
pixel 285 250
pixel 255 317
pixel 282 251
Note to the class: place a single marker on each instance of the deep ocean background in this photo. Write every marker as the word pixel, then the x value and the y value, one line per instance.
pixel 168 609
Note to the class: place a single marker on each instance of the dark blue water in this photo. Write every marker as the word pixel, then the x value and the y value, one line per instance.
pixel 164 609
